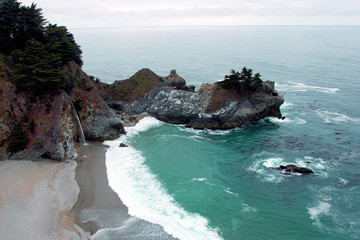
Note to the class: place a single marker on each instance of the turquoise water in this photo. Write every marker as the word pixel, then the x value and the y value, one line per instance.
pixel 221 185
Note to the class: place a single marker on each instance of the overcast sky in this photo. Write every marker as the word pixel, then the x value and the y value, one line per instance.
pixel 119 13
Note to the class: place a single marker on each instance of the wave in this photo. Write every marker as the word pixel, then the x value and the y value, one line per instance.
pixel 334 117
pixel 144 195
pixel 301 87
pixel 202 131
pixel 321 209
pixel 297 120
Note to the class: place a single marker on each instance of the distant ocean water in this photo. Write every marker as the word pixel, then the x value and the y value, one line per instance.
pixel 221 184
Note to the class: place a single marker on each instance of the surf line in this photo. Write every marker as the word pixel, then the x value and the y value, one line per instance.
pixel 144 195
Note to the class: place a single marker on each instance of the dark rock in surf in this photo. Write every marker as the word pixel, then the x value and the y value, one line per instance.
pixel 292 168
pixel 123 145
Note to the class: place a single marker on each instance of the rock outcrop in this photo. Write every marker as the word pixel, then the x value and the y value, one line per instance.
pixel 212 107
pixel 99 121
pixel 292 168
pixel 45 126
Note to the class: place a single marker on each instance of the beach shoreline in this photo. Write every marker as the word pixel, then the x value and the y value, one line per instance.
pixel 98 206
pixel 99 211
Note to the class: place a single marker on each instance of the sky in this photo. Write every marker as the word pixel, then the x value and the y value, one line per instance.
pixel 121 13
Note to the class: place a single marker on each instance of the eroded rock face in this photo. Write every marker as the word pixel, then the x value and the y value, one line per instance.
pixel 174 80
pixel 49 122
pixel 212 107
pixel 98 120
pixel 52 133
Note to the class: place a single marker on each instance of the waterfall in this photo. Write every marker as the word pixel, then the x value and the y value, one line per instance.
pixel 78 119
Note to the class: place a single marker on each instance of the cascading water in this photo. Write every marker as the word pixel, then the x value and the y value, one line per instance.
pixel 79 123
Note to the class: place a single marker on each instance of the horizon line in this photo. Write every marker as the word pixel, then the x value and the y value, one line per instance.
pixel 242 25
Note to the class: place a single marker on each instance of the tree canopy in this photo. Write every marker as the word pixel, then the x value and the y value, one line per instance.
pixel 38 49
pixel 241 80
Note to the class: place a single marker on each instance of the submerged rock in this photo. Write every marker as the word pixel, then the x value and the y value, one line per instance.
pixel 292 168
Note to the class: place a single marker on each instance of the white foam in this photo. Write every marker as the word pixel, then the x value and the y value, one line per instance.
pixel 334 117
pixel 261 167
pixel 302 87
pixel 286 105
pixel 343 181
pixel 273 162
pixel 297 120
pixel 322 208
pixel 199 179
pixel 265 164
pixel 247 208
pixel 143 193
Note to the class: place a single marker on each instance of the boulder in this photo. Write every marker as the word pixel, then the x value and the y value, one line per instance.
pixel 174 80
pixel 292 168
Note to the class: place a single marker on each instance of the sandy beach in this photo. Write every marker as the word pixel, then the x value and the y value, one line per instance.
pixel 98 205
pixel 36 199
pixel 56 200
pixel 99 210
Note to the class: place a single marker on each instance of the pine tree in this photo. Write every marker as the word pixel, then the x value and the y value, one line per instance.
pixel 38 70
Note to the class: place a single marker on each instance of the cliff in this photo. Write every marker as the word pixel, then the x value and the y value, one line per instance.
pixel 212 107
pixel 45 126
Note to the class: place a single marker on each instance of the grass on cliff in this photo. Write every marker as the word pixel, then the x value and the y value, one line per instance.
pixel 132 89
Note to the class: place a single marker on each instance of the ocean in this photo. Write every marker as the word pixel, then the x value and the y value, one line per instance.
pixel 203 184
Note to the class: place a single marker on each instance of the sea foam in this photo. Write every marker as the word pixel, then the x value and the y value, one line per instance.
pixel 334 117
pixel 144 195
pixel 302 87
pixel 266 163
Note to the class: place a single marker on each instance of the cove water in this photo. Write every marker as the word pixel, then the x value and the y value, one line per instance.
pixel 221 184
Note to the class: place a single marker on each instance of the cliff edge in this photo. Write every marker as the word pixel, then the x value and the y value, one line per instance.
pixel 46 126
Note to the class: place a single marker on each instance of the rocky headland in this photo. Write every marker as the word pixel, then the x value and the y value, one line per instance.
pixel 47 126
pixel 212 106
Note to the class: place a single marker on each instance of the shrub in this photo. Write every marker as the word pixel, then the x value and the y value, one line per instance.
pixel 78 104
pixel 18 139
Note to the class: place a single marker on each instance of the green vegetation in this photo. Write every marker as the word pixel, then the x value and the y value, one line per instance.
pixel 242 81
pixel 48 107
pixel 18 139
pixel 39 51
pixel 78 104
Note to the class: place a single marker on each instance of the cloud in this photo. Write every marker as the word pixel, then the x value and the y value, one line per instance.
pixel 114 13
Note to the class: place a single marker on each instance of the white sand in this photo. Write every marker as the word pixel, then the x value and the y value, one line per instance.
pixel 36 199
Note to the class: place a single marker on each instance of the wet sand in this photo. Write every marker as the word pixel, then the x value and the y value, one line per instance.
pixel 98 205
pixel 99 210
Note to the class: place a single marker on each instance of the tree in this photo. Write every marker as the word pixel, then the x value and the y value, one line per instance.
pixel 38 70
pixel 242 81
pixel 18 24
pixel 63 43
pixel 38 52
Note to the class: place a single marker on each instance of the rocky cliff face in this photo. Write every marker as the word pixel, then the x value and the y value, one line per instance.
pixel 36 127
pixel 212 107
pixel 99 122
pixel 47 127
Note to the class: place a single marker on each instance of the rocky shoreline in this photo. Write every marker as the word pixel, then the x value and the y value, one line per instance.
pixel 48 126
